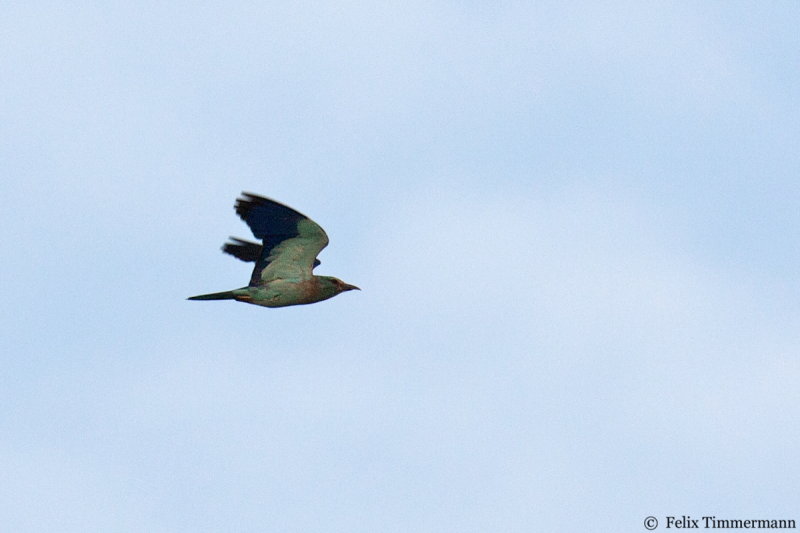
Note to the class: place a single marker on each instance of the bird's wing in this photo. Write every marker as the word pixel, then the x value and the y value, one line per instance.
pixel 247 251
pixel 291 241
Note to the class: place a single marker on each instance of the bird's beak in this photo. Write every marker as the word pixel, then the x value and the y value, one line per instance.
pixel 350 287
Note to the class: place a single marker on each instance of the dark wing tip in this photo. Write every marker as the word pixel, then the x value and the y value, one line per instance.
pixel 243 250
pixel 267 217
pixel 246 202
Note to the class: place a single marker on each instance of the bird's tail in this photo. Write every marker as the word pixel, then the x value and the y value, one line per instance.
pixel 227 295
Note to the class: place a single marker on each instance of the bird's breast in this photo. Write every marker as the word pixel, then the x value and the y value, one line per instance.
pixel 284 292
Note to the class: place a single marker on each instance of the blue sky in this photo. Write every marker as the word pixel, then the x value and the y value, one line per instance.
pixel 575 226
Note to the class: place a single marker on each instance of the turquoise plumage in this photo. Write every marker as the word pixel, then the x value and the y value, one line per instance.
pixel 282 275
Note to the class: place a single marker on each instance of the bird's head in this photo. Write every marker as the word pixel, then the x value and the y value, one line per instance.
pixel 336 285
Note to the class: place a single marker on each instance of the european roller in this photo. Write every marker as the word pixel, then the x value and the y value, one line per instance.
pixel 290 243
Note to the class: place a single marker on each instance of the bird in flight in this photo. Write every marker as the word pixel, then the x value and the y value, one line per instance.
pixel 284 261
